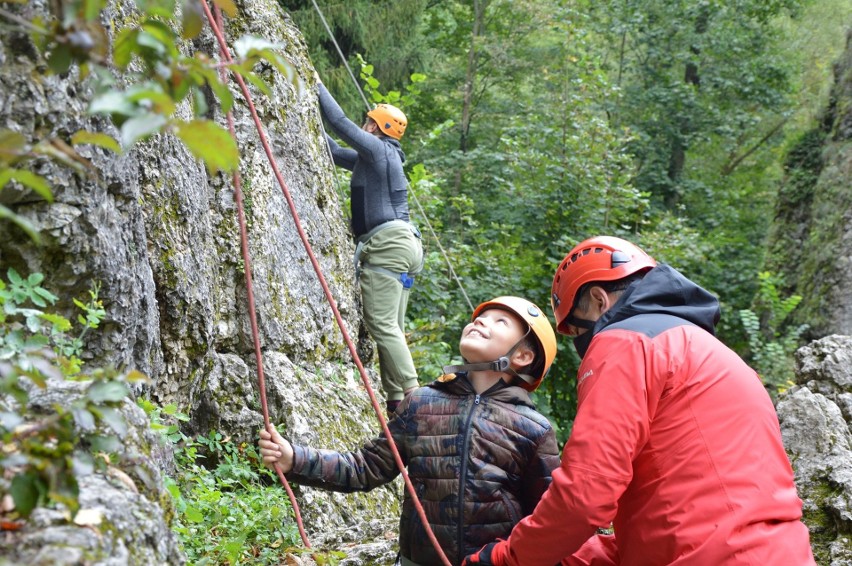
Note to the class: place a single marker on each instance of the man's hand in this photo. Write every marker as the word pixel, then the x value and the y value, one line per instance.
pixel 492 554
pixel 274 449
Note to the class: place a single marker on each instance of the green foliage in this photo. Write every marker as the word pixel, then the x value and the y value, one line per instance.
pixel 44 454
pixel 157 77
pixel 230 509
pixel 371 86
pixel 386 33
pixel 772 343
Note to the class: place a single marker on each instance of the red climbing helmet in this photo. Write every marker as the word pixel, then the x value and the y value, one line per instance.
pixel 603 258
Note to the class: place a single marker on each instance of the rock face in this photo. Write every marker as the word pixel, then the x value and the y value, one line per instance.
pixel 811 240
pixel 815 417
pixel 159 235
pixel 130 506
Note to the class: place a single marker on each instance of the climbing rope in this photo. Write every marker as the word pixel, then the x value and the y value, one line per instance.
pixel 411 190
pixel 238 197
pixel 217 26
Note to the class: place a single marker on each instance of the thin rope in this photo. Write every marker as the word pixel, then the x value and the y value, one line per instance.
pixel 339 52
pixel 411 189
pixel 238 197
pixel 225 52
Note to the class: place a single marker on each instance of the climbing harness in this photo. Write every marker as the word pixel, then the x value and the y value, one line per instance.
pixel 413 194
pixel 217 26
pixel 407 279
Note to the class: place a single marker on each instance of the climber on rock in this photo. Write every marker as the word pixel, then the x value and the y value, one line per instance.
pixel 388 252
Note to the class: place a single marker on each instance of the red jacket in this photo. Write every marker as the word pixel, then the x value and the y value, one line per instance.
pixel 676 443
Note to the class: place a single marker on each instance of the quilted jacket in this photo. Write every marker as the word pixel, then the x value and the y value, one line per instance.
pixel 478 462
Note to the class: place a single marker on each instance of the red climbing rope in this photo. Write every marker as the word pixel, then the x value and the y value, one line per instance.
pixel 238 197
pixel 226 56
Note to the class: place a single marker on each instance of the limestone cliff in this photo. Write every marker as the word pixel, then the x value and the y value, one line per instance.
pixel 160 236
pixel 811 239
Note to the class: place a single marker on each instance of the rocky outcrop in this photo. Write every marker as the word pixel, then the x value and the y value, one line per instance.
pixel 815 417
pixel 125 510
pixel 159 235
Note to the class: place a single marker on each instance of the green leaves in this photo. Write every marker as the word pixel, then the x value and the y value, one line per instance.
pixel 209 142
pixel 42 453
pixel 141 127
pixel 105 141
pixel 228 7
pixel 232 513
pixel 27 489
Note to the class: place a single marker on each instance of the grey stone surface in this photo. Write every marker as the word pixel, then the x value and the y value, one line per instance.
pixel 160 237
pixel 814 422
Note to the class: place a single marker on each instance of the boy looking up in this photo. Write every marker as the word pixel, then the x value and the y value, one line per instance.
pixel 478 453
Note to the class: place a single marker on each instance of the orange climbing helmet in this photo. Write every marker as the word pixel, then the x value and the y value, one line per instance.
pixel 539 326
pixel 390 120
pixel 603 258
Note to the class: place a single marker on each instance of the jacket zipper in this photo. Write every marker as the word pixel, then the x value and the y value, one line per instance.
pixel 462 475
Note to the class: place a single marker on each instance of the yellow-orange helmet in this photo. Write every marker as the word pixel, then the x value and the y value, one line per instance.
pixel 390 120
pixel 539 326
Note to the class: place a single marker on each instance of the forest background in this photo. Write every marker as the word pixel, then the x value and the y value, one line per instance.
pixel 536 124
pixel 533 125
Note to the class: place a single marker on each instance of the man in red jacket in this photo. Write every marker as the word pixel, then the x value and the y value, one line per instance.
pixel 676 443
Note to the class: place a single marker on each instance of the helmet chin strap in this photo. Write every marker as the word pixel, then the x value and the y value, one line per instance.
pixel 580 322
pixel 502 364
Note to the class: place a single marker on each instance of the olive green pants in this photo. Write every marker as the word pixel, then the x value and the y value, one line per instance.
pixel 396 249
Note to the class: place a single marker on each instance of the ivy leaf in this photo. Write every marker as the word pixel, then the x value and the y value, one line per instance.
pixel 140 127
pixel 59 59
pixel 92 9
pixel 192 20
pixel 112 102
pixel 161 34
pixel 194 515
pixel 248 46
pixel 11 145
pixel 258 82
pixel 153 97
pixel 201 72
pixel 163 8
pixel 211 143
pixel 124 47
pixel 9 420
pixel 94 138
pixel 136 376
pixel 107 444
pixel 82 463
pixel 114 419
pixel 84 419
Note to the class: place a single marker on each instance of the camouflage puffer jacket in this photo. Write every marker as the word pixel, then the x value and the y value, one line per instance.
pixel 479 464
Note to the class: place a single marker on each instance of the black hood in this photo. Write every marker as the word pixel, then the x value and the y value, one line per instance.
pixel 664 290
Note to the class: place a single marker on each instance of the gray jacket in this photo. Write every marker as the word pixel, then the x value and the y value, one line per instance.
pixel 378 187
